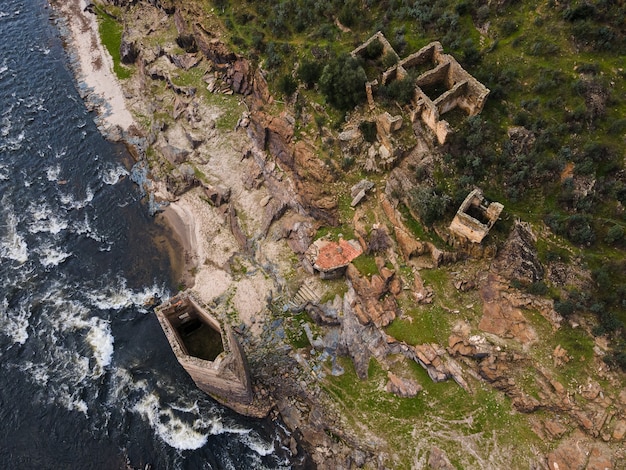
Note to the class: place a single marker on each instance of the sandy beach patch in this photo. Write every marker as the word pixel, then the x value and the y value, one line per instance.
pixel 94 65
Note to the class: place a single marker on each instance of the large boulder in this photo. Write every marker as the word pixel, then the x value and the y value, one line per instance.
pixel 518 258
pixel 405 388
pixel 128 51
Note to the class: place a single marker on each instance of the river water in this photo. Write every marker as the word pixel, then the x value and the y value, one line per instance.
pixel 87 379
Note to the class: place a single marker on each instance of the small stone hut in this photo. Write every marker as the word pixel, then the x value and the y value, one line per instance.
pixel 474 219
pixel 330 259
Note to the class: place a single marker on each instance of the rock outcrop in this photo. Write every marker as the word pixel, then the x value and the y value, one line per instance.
pixel 518 260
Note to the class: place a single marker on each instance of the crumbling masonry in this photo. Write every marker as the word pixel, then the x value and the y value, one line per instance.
pixel 443 85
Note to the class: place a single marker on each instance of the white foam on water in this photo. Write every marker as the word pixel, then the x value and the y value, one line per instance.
pixel 70 203
pixel 61 153
pixel 120 296
pixel 50 256
pixel 5 125
pixel 257 445
pixel 12 244
pixel 101 341
pixel 70 398
pixel 112 174
pixel 168 427
pixel 14 324
pixel 45 220
pixel 53 172
pixel 38 372
pixel 13 143
pixel 83 227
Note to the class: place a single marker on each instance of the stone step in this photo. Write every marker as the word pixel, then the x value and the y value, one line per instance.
pixel 304 295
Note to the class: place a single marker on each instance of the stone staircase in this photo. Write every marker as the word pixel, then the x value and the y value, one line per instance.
pixel 306 294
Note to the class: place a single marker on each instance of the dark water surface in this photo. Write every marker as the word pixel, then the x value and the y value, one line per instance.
pixel 87 379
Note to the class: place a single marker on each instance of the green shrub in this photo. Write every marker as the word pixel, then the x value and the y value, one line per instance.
pixel 287 85
pixel 429 204
pixel 343 82
pixel 368 129
pixel 565 308
pixel 401 91
pixel 373 50
pixel 309 73
pixel 508 27
pixel 389 60
pixel 577 228
pixel 615 235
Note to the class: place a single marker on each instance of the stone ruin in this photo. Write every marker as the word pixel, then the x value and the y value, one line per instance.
pixel 474 219
pixel 442 86
pixel 210 353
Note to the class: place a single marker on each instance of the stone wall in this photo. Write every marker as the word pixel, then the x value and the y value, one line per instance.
pixel 469 227
pixel 462 89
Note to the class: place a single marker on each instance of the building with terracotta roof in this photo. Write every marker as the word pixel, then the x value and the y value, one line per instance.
pixel 330 258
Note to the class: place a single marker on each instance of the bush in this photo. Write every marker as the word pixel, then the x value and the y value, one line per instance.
pixel 373 50
pixel 508 27
pixel 401 91
pixel 287 85
pixel 616 358
pixel 614 235
pixel 538 288
pixel 429 204
pixel 565 308
pixel 389 60
pixel 272 56
pixel 577 228
pixel 368 129
pixel 343 82
pixel 579 12
pixel 347 16
pixel 309 73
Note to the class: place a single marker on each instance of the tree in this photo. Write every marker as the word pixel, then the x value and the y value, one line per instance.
pixel 287 85
pixel 343 82
pixel 309 73
pixel 429 204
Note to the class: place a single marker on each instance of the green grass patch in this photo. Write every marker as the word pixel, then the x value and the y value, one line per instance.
pixel 366 264
pixel 407 422
pixel 334 287
pixel 427 324
pixel 418 230
pixel 334 233
pixel 295 333
pixel 111 36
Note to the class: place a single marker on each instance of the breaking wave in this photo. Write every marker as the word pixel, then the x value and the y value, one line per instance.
pixel 112 174
pixel 12 244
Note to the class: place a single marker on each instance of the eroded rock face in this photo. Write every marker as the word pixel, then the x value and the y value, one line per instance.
pixel 405 388
pixel 212 48
pixel 518 258
pixel 500 317
pixel 576 453
pixel 128 51
pixel 310 176
pixel 369 307
pixel 438 460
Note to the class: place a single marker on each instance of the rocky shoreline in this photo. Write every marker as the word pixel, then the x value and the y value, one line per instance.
pixel 245 199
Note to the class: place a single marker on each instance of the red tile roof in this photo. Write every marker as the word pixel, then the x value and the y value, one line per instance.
pixel 333 255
